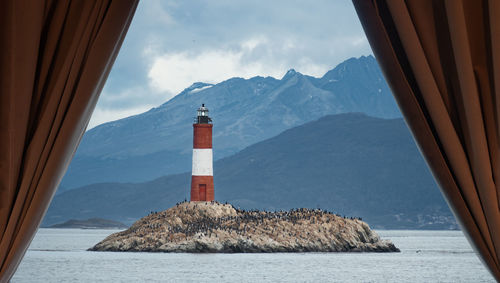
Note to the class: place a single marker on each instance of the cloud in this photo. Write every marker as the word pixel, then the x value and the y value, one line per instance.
pixel 116 105
pixel 102 115
pixel 172 72
pixel 171 44
pixel 128 97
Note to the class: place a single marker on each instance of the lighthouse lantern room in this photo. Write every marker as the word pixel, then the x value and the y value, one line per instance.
pixel 202 180
pixel 202 117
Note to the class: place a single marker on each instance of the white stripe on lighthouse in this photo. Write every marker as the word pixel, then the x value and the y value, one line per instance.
pixel 202 162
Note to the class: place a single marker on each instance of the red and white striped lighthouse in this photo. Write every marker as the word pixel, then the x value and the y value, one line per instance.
pixel 202 179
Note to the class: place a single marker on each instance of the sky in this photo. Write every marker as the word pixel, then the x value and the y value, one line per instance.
pixel 172 44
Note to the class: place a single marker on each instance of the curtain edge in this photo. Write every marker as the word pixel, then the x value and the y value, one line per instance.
pixel 380 42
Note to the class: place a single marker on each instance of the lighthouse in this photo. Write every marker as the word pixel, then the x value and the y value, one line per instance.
pixel 202 179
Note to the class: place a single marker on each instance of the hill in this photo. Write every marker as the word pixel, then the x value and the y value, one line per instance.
pixel 351 164
pixel 245 111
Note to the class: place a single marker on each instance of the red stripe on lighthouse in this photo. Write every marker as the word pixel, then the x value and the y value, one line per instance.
pixel 197 185
pixel 202 135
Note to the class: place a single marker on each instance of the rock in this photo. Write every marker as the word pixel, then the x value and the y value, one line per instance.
pixel 212 227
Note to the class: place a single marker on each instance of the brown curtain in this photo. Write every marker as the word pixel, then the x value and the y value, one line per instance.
pixel 54 59
pixel 442 61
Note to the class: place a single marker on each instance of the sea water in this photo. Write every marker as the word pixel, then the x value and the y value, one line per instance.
pixel 59 255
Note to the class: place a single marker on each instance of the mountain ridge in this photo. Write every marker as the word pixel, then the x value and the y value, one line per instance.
pixel 245 111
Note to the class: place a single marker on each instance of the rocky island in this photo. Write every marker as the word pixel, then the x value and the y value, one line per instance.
pixel 212 227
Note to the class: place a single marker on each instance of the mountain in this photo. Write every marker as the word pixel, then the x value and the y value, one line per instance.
pixel 244 111
pixel 351 164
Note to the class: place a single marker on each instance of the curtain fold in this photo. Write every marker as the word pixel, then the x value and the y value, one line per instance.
pixel 55 57
pixel 441 59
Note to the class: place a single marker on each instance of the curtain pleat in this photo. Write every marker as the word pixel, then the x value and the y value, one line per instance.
pixel 441 59
pixel 55 56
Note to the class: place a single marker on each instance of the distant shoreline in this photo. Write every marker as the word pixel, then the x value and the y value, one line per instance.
pixel 91 223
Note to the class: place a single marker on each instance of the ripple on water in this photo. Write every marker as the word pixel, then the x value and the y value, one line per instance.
pixel 58 255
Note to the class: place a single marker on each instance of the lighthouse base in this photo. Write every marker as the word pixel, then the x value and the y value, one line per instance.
pixel 202 188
